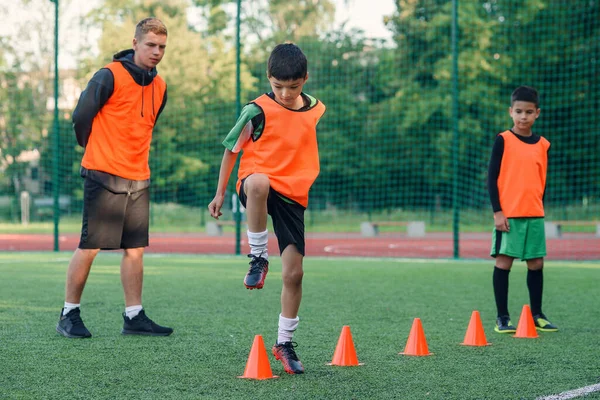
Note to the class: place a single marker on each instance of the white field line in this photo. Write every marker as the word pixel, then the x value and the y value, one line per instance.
pixel 571 394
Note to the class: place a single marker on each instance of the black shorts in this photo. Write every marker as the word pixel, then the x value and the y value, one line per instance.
pixel 114 220
pixel 287 217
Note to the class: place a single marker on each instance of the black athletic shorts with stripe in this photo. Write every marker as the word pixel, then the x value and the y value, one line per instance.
pixel 287 217
pixel 114 220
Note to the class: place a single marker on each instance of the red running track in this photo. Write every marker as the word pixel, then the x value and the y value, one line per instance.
pixel 435 245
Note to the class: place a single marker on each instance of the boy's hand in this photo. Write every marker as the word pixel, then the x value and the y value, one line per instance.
pixel 215 206
pixel 501 222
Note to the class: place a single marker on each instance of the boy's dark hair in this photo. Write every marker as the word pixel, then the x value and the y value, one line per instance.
pixel 287 63
pixel 525 93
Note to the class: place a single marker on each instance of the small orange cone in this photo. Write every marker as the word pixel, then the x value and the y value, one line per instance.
pixel 416 344
pixel 475 335
pixel 258 366
pixel 345 354
pixel 526 328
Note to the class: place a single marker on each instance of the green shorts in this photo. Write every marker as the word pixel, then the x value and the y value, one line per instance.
pixel 526 239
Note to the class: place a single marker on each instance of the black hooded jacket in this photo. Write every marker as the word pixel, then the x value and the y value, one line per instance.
pixel 99 90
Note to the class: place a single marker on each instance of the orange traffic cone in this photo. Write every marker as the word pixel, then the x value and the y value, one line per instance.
pixel 345 354
pixel 258 366
pixel 416 344
pixel 526 327
pixel 475 335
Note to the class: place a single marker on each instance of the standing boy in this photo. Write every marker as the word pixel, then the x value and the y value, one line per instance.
pixel 280 162
pixel 517 183
pixel 113 121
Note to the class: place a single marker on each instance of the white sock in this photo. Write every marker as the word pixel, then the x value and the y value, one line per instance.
pixel 286 329
pixel 132 311
pixel 68 307
pixel 258 243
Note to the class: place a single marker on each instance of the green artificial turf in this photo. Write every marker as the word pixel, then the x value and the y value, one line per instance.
pixel 216 319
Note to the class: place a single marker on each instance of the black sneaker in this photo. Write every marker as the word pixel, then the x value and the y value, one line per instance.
pixel 503 325
pixel 142 325
pixel 542 323
pixel 71 325
pixel 286 353
pixel 255 278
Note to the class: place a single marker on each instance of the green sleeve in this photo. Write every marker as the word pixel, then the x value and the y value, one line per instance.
pixel 249 124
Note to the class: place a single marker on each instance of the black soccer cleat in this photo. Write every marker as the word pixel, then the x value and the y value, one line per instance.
pixel 255 278
pixel 503 325
pixel 542 323
pixel 142 325
pixel 287 355
pixel 71 325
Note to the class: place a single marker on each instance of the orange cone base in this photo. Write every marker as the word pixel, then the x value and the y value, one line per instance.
pixel 415 355
pixel 259 379
pixel 349 365
pixel 475 345
pixel 258 366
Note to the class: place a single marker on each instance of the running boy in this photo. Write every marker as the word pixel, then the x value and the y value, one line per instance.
pixel 280 162
pixel 516 184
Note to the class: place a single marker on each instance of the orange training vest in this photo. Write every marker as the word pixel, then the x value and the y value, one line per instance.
pixel 286 151
pixel 120 139
pixel 522 178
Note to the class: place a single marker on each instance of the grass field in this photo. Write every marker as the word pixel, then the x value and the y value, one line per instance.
pixel 215 320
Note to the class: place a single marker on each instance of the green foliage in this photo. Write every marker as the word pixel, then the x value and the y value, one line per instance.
pixel 389 142
pixel 68 163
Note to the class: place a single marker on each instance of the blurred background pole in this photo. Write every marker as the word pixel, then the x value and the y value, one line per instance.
pixel 238 109
pixel 455 137
pixel 55 133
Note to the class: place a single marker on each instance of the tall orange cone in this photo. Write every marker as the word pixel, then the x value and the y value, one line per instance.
pixel 526 328
pixel 258 366
pixel 416 344
pixel 345 354
pixel 475 335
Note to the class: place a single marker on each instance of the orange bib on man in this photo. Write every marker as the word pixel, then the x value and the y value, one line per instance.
pixel 119 142
pixel 522 178
pixel 286 151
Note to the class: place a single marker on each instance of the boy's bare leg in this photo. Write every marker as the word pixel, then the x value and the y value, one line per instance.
pixel 256 188
pixel 291 295
pixel 291 274
pixel 504 262
pixel 132 275
pixel 77 273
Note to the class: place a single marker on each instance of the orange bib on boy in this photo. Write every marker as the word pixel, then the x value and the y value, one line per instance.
pixel 286 151
pixel 122 130
pixel 522 178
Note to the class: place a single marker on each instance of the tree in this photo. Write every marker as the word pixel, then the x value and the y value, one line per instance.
pixel 25 86
pixel 423 100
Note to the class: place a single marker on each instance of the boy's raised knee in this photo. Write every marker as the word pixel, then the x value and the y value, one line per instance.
pixel 257 185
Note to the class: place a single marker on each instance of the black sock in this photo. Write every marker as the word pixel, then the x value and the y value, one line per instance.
pixel 535 284
pixel 500 281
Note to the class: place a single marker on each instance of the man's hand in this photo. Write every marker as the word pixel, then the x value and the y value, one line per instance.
pixel 501 222
pixel 215 206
